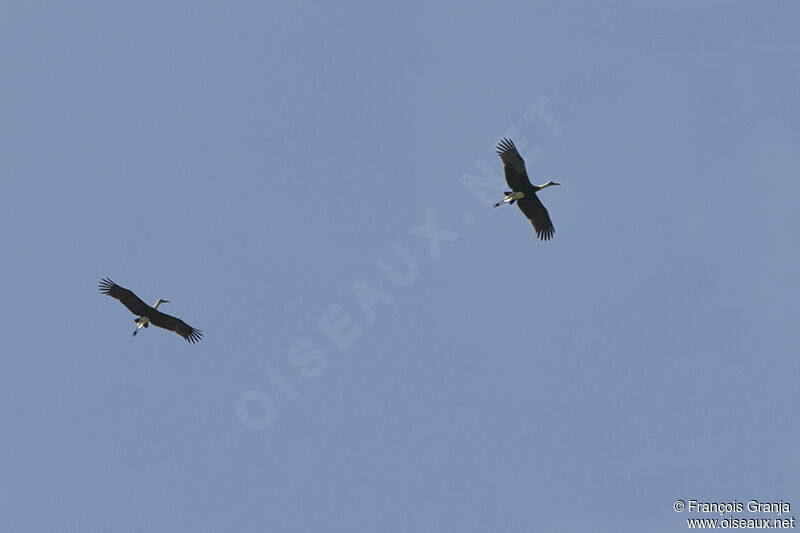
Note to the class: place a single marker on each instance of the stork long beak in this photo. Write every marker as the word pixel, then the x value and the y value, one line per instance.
pixel 165 301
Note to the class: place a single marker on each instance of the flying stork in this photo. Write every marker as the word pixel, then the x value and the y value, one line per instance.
pixel 523 191
pixel 149 315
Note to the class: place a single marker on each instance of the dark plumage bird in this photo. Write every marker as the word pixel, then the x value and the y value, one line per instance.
pixel 149 315
pixel 523 191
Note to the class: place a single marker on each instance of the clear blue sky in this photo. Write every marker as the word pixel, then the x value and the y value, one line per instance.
pixel 254 162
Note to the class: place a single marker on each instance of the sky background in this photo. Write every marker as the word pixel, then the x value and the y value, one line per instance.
pixel 252 161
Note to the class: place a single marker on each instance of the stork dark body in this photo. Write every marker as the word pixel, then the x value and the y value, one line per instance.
pixel 147 314
pixel 523 192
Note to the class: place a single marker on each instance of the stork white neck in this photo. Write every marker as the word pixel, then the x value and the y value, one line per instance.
pixel 544 186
